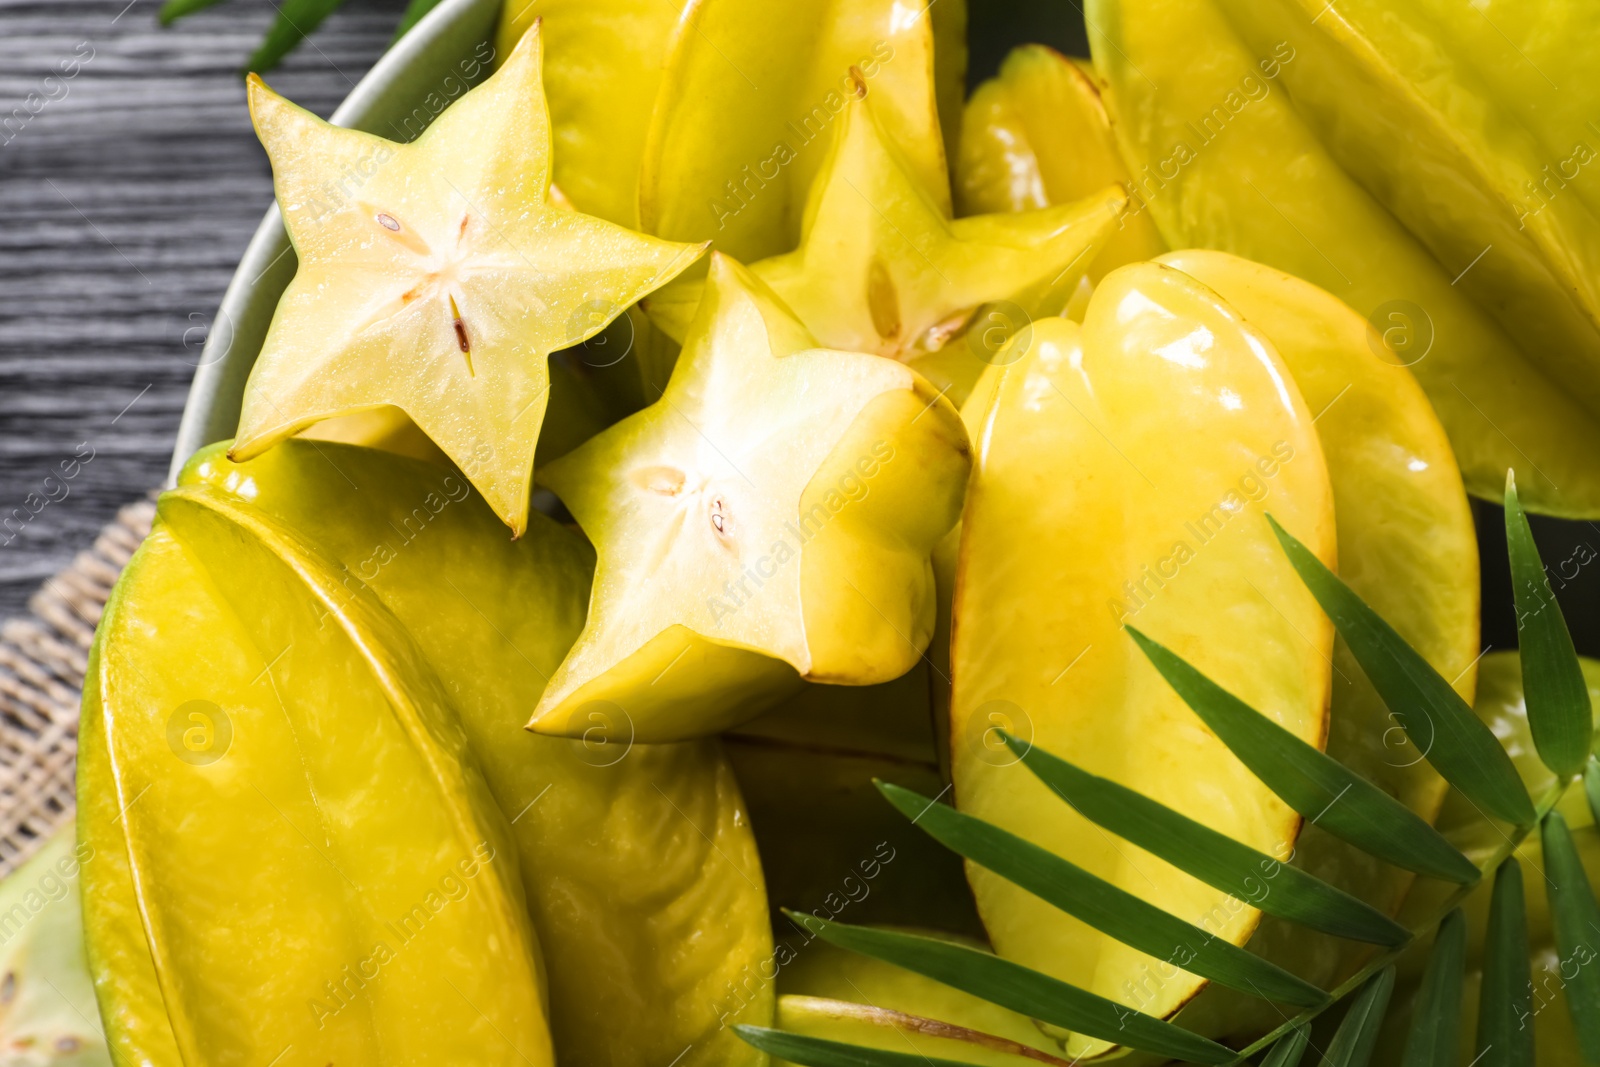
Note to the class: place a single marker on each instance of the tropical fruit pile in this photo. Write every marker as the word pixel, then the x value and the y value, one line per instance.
pixel 713 417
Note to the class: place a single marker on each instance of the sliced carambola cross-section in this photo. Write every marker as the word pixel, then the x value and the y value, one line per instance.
pixel 1123 473
pixel 883 268
pixel 770 518
pixel 436 277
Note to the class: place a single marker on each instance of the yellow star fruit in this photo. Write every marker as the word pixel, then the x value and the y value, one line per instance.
pixel 436 278
pixel 883 268
pixel 769 519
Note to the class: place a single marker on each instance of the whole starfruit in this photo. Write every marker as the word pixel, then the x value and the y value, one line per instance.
pixel 1413 161
pixel 1123 472
pixel 490 619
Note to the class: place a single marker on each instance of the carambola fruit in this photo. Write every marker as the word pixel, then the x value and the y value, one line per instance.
pixel 625 853
pixel 47 1009
pixel 1226 155
pixel 1037 134
pixel 1123 478
pixel 436 277
pixel 750 94
pixel 1406 544
pixel 769 519
pixel 882 268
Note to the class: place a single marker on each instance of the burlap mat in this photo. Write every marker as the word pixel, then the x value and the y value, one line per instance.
pixel 42 661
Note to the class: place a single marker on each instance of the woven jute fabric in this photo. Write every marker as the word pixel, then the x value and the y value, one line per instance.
pixel 43 657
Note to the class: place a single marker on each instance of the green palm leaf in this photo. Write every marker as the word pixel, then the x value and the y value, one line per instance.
pixel 1455 741
pixel 1289 1049
pixel 1338 800
pixel 1022 990
pixel 173 10
pixel 1505 1000
pixel 1591 787
pixel 1214 858
pixel 1310 781
pixel 820 1052
pixel 1576 917
pixel 1435 1038
pixel 296 19
pixel 1559 716
pixel 1102 905
pixel 1357 1036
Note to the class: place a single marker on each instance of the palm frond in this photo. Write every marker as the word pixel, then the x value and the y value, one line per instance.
pixel 1099 904
pixel 1214 858
pixel 1310 781
pixel 1559 716
pixel 1444 729
pixel 1290 1048
pixel 1454 740
pixel 1576 917
pixel 1505 997
pixel 1357 1036
pixel 1018 988
pixel 1435 1037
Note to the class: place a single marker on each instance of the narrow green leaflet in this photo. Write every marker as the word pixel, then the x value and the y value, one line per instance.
pixel 1357 1036
pixel 1506 996
pixel 1022 990
pixel 1438 721
pixel 173 10
pixel 1559 716
pixel 1435 1038
pixel 819 1052
pixel 1289 1049
pixel 1216 859
pixel 1591 787
pixel 1310 781
pixel 1576 918
pixel 1102 905
pixel 296 19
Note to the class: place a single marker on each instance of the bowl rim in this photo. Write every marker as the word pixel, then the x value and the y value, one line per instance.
pixel 444 45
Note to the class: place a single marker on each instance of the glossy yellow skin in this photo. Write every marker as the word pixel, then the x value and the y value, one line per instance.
pixel 48 1016
pixel 1406 545
pixel 1127 452
pixel 829 993
pixel 290 908
pixel 1500 704
pixel 882 268
pixel 1037 135
pixel 1223 161
pixel 747 102
pixel 1411 100
pixel 769 519
pixel 441 282
pixel 638 861
pixel 602 69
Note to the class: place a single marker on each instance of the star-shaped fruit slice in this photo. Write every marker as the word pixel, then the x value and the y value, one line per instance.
pixel 770 518
pixel 436 277
pixel 883 268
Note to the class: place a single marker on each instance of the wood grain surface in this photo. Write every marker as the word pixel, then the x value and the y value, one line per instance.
pixel 130 182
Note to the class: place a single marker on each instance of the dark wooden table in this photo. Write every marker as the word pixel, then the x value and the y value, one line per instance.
pixel 128 189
